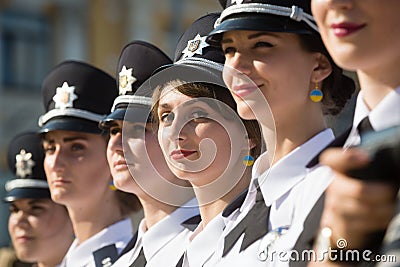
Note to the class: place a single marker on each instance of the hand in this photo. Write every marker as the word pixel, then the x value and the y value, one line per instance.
pixel 354 208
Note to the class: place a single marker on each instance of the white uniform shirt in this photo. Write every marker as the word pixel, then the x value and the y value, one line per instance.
pixel 165 242
pixel 81 256
pixel 291 189
pixel 203 241
pixel 386 114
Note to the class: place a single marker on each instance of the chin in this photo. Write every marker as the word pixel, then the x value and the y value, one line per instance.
pixel 245 111
pixel 123 182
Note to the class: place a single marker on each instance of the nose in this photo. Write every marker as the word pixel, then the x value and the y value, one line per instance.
pixel 339 4
pixel 177 131
pixel 240 62
pixel 115 143
pixel 19 219
pixel 56 161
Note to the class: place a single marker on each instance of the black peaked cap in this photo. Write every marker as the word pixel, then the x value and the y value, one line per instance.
pixel 138 61
pixel 76 96
pixel 25 160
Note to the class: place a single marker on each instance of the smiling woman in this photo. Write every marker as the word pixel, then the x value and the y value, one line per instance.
pixel 275 61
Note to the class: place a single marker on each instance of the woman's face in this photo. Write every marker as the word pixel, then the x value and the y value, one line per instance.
pixel 139 160
pixel 275 63
pixel 359 34
pixel 38 227
pixel 198 142
pixel 76 166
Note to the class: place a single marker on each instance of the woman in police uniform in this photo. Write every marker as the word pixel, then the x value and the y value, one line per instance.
pixel 76 97
pixel 360 35
pixel 138 166
pixel 202 137
pixel 273 52
pixel 37 225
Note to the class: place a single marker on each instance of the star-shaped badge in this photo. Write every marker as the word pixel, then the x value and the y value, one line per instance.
pixel 195 46
pixel 126 79
pixel 24 163
pixel 64 96
pixel 237 2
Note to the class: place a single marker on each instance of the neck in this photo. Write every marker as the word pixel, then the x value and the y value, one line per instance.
pixel 55 259
pixel 90 219
pixel 289 134
pixel 209 210
pixel 154 210
pixel 377 84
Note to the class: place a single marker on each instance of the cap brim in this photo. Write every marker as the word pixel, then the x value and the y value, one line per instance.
pixel 255 22
pixel 131 113
pixel 71 124
pixel 20 193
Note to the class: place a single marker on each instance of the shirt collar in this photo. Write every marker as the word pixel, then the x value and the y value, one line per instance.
pixel 169 227
pixel 379 116
pixel 78 255
pixel 201 248
pixel 291 169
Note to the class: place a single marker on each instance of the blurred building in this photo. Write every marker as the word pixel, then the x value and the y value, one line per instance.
pixel 36 35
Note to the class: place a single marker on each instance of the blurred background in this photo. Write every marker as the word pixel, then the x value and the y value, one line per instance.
pixel 38 34
pixel 35 35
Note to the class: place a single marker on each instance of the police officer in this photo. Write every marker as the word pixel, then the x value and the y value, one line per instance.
pixel 355 210
pixel 275 60
pixel 76 96
pixel 36 224
pixel 138 166
pixel 194 106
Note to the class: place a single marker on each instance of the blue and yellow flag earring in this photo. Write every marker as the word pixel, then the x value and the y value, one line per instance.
pixel 316 94
pixel 248 160
pixel 112 186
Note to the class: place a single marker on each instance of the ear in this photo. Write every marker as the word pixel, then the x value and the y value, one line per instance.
pixel 252 143
pixel 322 69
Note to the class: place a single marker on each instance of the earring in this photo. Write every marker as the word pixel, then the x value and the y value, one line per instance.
pixel 112 186
pixel 248 160
pixel 316 94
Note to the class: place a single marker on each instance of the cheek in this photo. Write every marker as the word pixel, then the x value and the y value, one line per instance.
pixel 163 139
pixel 228 74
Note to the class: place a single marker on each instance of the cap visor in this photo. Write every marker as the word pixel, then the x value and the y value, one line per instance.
pixel 71 124
pixel 254 22
pixel 20 193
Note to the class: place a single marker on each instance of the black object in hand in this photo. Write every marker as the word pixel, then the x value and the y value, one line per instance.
pixel 384 150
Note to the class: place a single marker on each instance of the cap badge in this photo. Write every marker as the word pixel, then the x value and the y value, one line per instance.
pixel 65 96
pixel 126 79
pixel 195 46
pixel 24 163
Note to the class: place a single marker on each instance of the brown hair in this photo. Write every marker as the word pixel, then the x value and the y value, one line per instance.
pixel 212 91
pixel 337 88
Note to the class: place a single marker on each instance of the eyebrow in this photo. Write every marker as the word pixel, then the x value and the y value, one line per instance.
pixel 34 201
pixel 252 36
pixel 66 139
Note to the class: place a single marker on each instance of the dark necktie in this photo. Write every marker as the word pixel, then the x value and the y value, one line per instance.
pixel 140 260
pixel 254 225
pixel 364 127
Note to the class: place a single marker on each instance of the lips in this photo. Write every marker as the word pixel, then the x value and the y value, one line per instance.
pixel 346 28
pixel 60 182
pixel 244 89
pixel 23 238
pixel 120 164
pixel 181 153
